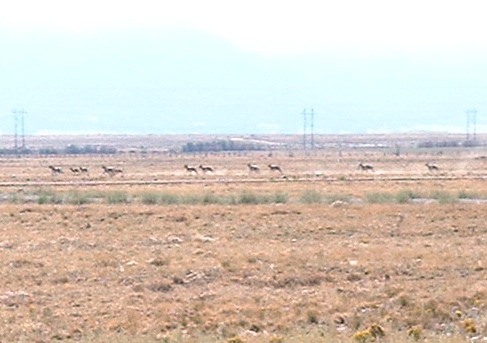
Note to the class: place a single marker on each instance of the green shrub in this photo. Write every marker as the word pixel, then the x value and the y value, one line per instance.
pixel 231 199
pixel 444 197
pixel 190 199
pixel 280 198
pixel 48 197
pixel 210 199
pixel 117 197
pixel 311 197
pixel 248 198
pixel 405 196
pixel 149 198
pixel 379 198
pixel 76 198
pixel 168 199
pixel 468 195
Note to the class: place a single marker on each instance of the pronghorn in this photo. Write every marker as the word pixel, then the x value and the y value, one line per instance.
pixel 275 167
pixel 112 170
pixel 83 169
pixel 206 169
pixel 191 169
pixel 75 170
pixel 56 170
pixel 365 166
pixel 432 167
pixel 253 168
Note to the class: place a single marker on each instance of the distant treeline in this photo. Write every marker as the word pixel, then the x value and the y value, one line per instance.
pixel 221 145
pixel 448 144
pixel 71 149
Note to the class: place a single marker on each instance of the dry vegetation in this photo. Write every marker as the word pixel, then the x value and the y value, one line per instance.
pixel 329 254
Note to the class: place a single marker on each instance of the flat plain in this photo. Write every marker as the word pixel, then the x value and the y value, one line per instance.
pixel 322 252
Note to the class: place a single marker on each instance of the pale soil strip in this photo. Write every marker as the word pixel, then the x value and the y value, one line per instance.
pixel 235 181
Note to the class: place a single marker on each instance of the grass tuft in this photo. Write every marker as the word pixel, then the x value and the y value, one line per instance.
pixel 280 198
pixel 468 195
pixel 404 196
pixel 248 198
pixel 149 198
pixel 117 197
pixel 444 197
pixel 77 198
pixel 379 198
pixel 311 197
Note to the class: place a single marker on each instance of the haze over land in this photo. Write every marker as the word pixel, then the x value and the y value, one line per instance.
pixel 208 72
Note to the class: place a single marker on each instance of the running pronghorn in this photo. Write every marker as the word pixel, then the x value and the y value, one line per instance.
pixel 275 167
pixel 432 167
pixel 83 169
pixel 365 166
pixel 253 168
pixel 206 169
pixel 75 170
pixel 112 170
pixel 56 170
pixel 191 169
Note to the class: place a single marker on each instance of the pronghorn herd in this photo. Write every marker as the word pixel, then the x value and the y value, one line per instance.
pixel 79 170
pixel 368 167
pixel 55 170
pixel 252 168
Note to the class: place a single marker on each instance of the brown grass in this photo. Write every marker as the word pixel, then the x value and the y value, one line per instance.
pixel 290 272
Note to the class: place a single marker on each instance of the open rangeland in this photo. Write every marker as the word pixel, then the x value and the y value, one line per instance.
pixel 324 252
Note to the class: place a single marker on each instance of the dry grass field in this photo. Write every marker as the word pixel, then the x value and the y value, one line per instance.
pixel 323 252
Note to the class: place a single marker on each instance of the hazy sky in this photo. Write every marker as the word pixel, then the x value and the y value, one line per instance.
pixel 276 26
pixel 206 66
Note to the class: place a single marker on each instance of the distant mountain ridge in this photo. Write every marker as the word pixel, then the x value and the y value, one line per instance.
pixel 181 81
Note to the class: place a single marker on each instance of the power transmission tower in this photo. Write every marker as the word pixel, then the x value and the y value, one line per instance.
pixel 474 113
pixel 16 113
pixel 22 113
pixel 471 119
pixel 16 122
pixel 305 129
